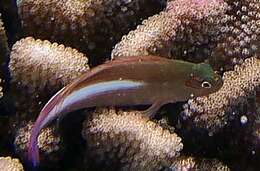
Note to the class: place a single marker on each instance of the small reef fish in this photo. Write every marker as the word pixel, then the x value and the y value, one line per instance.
pixel 141 80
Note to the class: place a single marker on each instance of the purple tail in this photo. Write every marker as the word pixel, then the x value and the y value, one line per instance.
pixel 42 121
pixel 33 150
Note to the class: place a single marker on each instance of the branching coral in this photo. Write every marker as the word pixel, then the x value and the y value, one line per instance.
pixel 131 139
pixel 184 163
pixel 39 69
pixel 226 32
pixel 212 111
pixel 88 25
pixel 184 28
pixel 38 64
pixel 240 34
pixel 48 140
pixel 9 164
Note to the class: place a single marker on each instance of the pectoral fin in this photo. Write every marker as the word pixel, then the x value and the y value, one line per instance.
pixel 151 111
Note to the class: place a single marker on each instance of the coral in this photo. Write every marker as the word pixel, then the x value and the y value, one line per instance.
pixel 184 163
pixel 211 112
pixel 39 69
pixel 92 26
pixel 185 28
pixel 225 32
pixel 38 64
pixel 10 164
pixel 131 139
pixel 240 35
pixel 48 140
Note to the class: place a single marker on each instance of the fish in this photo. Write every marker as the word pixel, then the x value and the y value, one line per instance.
pixel 128 81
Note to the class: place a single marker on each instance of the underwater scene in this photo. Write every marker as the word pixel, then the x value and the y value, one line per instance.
pixel 130 85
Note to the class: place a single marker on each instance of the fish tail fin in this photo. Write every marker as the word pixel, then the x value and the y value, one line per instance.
pixel 33 149
pixel 42 121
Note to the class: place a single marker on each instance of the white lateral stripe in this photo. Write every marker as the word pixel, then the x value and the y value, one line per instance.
pixel 102 87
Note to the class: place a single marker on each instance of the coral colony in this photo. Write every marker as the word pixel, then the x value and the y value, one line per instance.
pixel 56 41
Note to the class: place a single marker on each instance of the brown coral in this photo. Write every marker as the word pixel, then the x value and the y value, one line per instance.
pixel 184 163
pixel 212 111
pixel 48 140
pixel 92 26
pixel 10 164
pixel 240 34
pixel 131 139
pixel 38 64
pixel 185 28
pixel 39 69
pixel 226 32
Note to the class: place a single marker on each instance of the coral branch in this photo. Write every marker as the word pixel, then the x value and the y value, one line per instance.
pixel 39 64
pixel 191 163
pixel 131 139
pixel 10 164
pixel 186 27
pixel 91 26
pixel 240 34
pixel 48 140
pixel 226 32
pixel 39 69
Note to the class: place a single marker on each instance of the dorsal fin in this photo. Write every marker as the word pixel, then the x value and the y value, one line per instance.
pixel 119 61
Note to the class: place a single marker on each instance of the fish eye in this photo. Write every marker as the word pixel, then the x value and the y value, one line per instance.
pixel 205 84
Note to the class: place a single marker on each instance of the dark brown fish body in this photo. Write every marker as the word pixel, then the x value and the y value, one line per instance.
pixel 129 81
pixel 159 80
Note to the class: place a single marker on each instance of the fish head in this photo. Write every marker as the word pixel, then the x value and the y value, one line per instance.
pixel 203 80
